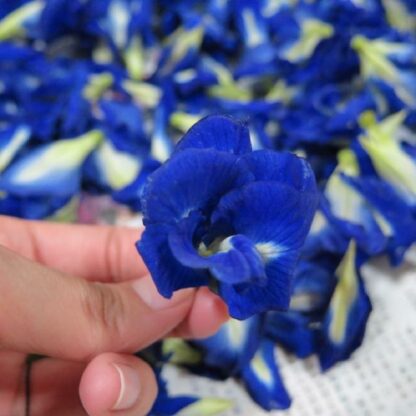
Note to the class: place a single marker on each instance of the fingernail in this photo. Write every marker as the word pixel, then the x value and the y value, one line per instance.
pixel 147 291
pixel 129 387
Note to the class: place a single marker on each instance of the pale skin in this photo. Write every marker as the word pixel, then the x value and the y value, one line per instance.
pixel 81 296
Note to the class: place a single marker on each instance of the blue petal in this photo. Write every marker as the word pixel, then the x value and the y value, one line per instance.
pixel 192 180
pixel 313 287
pixel 166 405
pixel 232 346
pixel 293 331
pixel 32 208
pixel 263 381
pixel 11 141
pixel 132 193
pixel 344 324
pixel 276 218
pixel 52 169
pixel 283 167
pixel 217 132
pixel 348 211
pixel 394 214
pixel 234 261
pixel 167 273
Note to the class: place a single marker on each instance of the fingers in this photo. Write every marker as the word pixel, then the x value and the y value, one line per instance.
pixel 54 389
pixel 102 253
pixel 115 384
pixel 45 312
pixel 208 313
pixel 12 380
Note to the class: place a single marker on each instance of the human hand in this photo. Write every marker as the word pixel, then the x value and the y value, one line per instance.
pixel 80 295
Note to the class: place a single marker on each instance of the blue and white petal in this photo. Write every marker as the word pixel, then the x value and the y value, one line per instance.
pixel 263 381
pixel 16 23
pixel 167 273
pixel 344 324
pixel 52 169
pixel 276 218
pixel 132 193
pixel 293 331
pixel 11 141
pixel 232 260
pixel 192 180
pixel 348 209
pixel 390 160
pixel 232 346
pixel 394 216
pixel 283 167
pixel 217 132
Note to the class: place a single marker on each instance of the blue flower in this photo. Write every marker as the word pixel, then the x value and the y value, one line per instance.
pixel 217 213
pixel 262 379
pixel 52 169
pixel 343 326
pixel 225 353
pixel 166 405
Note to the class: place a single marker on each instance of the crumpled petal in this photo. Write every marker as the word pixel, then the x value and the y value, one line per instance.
pixel 344 324
pixel 276 218
pixel 262 379
pixel 52 169
pixel 234 261
pixel 11 141
pixel 232 346
pixel 217 132
pixel 194 179
pixel 167 273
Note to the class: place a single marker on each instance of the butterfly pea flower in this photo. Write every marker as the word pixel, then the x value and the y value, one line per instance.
pixel 52 169
pixel 344 325
pixel 394 216
pixel 18 20
pixel 12 140
pixel 217 213
pixel 312 32
pixel 167 405
pixel 400 15
pixel 161 141
pixel 390 160
pixel 39 207
pixel 295 332
pixel 348 209
pixel 225 353
pixel 131 194
pixel 263 381
pixel 381 59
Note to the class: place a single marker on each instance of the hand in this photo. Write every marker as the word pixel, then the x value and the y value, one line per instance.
pixel 80 295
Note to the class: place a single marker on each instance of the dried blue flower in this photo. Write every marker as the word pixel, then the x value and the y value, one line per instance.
pixel 216 212
pixel 262 379
pixel 345 321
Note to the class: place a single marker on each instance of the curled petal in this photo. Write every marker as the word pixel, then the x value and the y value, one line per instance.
pixel 234 261
pixel 276 218
pixel 283 167
pixel 263 381
pixel 167 273
pixel 344 325
pixel 233 345
pixel 217 132
pixel 192 180
pixel 52 169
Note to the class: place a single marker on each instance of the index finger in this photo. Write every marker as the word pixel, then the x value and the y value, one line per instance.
pixel 101 253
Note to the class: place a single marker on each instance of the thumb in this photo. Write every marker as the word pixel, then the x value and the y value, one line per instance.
pixel 47 312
